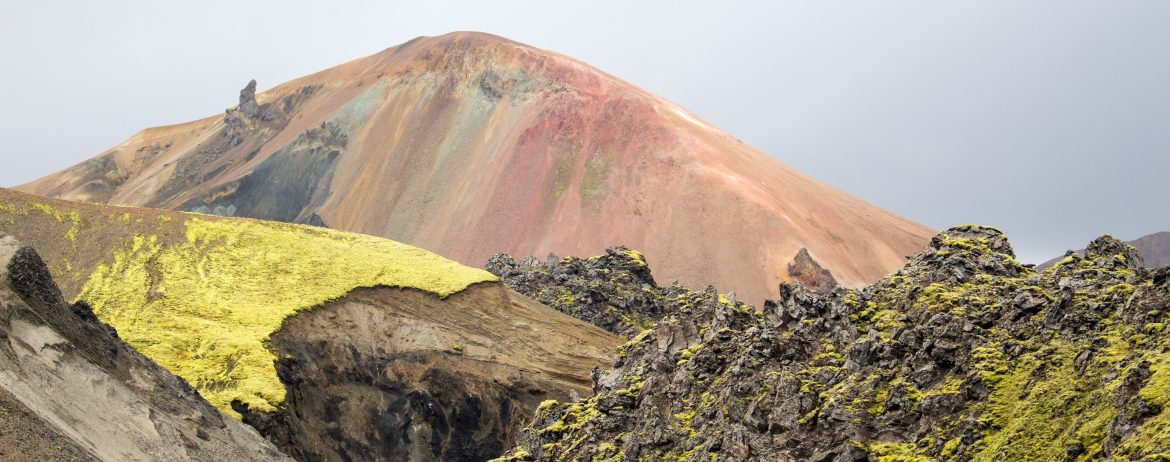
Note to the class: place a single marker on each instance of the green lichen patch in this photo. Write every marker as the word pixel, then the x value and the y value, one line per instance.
pixel 204 306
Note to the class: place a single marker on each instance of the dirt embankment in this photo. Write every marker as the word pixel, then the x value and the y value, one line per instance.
pixel 398 374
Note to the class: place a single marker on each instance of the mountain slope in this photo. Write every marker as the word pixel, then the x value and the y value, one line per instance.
pixel 70 389
pixel 469 144
pixel 296 328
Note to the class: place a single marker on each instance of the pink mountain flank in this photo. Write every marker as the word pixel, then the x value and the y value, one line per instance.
pixel 469 144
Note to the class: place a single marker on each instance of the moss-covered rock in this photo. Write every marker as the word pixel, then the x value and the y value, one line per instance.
pixel 964 354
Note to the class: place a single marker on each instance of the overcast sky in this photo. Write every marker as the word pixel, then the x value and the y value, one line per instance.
pixel 1049 119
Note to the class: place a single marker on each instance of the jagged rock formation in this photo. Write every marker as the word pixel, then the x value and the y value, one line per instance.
pixel 964 354
pixel 382 351
pixel 1153 248
pixel 614 291
pixel 70 389
pixel 523 150
pixel 810 274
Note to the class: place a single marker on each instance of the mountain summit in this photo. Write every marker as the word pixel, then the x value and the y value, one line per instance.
pixel 469 144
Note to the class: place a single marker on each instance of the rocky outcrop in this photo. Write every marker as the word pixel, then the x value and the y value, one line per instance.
pixel 1153 248
pixel 248 105
pixel 614 291
pixel 808 272
pixel 70 389
pixel 964 354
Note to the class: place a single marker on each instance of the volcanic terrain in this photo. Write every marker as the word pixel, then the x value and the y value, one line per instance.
pixel 469 144
pixel 1154 250
pixel 336 346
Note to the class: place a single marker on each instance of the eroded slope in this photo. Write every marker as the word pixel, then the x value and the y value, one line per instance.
pixel 70 389
pixel 522 150
pixel 398 374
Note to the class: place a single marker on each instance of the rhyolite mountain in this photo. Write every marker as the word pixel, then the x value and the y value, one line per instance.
pixel 468 144
pixel 1153 248
pixel 71 390
pixel 334 345
pixel 962 355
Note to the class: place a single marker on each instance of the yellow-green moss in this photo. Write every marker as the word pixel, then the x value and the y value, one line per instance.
pixel 204 307
pixel 517 455
pixel 1038 419
pixel 895 452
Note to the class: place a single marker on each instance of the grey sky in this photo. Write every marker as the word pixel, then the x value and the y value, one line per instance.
pixel 1048 119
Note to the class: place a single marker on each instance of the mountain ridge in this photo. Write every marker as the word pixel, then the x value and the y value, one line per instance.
pixel 531 151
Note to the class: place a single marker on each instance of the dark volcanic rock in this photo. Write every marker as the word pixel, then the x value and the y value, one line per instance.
pixel 614 291
pixel 964 354
pixel 1154 250
pixel 248 104
pixel 807 271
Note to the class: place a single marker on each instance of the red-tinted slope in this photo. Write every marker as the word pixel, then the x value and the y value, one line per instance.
pixel 469 144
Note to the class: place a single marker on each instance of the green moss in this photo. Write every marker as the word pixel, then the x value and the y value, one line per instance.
pixel 517 455
pixel 205 306
pixel 573 417
pixel 686 354
pixel 1037 419
pixel 637 257
pixel 951 448
pixel 607 452
pixel 895 452
pixel 684 420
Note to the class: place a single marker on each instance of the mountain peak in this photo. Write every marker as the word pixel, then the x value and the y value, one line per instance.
pixel 470 144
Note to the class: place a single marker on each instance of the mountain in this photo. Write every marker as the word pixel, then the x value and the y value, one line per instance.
pixel 71 390
pixel 1154 250
pixel 336 346
pixel 962 355
pixel 469 144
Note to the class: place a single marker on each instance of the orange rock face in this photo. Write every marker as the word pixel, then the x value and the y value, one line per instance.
pixel 469 144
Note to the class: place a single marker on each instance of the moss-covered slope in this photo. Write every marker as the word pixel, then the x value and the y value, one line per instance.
pixel 964 354
pixel 201 294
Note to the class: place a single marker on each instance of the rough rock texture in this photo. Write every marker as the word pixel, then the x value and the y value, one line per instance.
pixel 810 274
pixel 71 390
pixel 1154 249
pixel 964 354
pixel 248 105
pixel 522 150
pixel 400 375
pixel 614 291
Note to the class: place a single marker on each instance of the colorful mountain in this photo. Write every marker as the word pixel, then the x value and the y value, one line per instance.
pixel 469 144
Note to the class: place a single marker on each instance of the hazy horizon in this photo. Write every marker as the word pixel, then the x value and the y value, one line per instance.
pixel 1050 120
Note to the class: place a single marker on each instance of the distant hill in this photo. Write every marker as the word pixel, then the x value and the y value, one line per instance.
pixel 469 144
pixel 1153 248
